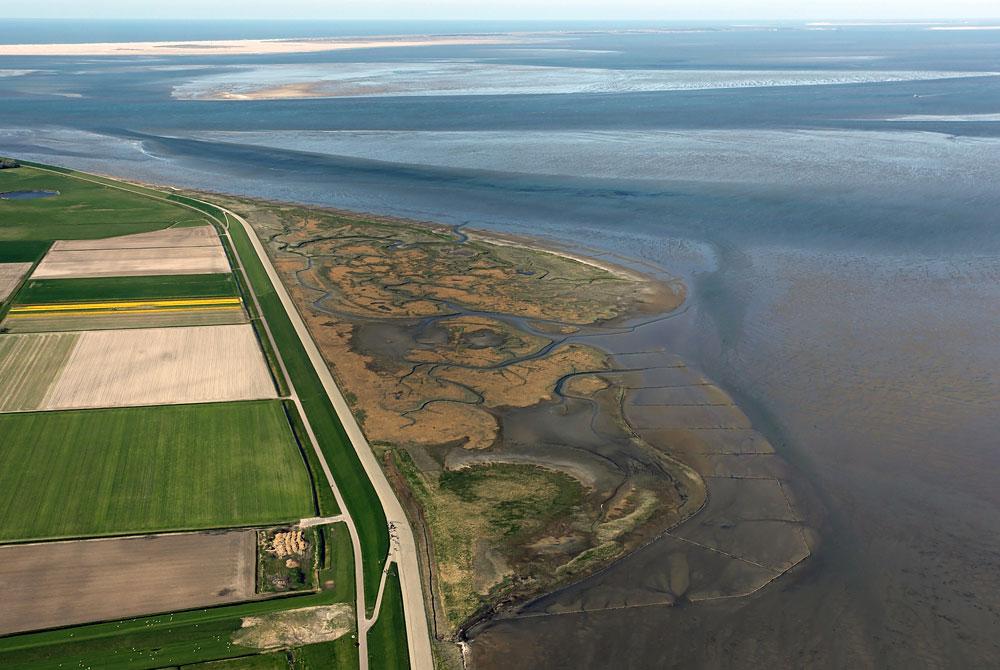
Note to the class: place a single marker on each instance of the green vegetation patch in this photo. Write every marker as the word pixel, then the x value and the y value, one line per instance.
pixel 91 289
pixel 387 649
pixel 118 471
pixel 21 252
pixel 82 210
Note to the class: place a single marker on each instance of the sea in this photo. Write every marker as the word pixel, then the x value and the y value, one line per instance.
pixel 830 193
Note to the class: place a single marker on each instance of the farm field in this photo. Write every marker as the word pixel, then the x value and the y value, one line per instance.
pixel 119 368
pixel 82 210
pixel 10 275
pixel 28 367
pixel 154 287
pixel 53 317
pixel 186 236
pixel 131 262
pixel 131 416
pixel 183 638
pixel 122 471
pixel 63 583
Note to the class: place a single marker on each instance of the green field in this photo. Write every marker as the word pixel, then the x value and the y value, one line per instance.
pixel 82 210
pixel 387 638
pixel 22 252
pixel 200 468
pixel 46 291
pixel 119 471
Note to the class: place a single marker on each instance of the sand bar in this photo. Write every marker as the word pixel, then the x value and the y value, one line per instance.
pixel 236 47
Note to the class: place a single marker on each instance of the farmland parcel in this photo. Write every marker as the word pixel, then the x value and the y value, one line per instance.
pixel 10 275
pixel 119 368
pixel 131 262
pixel 120 471
pixel 65 583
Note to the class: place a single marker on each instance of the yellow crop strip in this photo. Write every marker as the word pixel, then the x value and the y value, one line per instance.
pixel 35 315
pixel 129 305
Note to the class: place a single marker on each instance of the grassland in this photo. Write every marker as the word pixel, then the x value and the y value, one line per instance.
pixel 82 210
pixel 387 638
pixel 48 291
pixel 482 519
pixel 358 492
pixel 117 471
pixel 192 637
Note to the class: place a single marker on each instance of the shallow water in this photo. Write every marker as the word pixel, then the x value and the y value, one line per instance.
pixel 27 195
pixel 841 250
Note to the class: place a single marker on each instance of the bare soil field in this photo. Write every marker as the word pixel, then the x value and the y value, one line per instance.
pixel 152 366
pixel 63 583
pixel 192 236
pixel 29 364
pixel 132 262
pixel 10 275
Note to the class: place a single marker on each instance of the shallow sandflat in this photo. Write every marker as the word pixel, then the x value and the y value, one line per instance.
pixel 10 275
pixel 152 366
pixel 63 583
pixel 193 236
pixel 132 262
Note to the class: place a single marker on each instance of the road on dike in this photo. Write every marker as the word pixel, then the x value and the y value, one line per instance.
pixel 402 545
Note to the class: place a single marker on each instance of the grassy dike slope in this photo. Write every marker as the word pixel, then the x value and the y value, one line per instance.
pixel 359 494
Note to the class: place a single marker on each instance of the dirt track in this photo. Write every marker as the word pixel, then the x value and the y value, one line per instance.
pixel 61 583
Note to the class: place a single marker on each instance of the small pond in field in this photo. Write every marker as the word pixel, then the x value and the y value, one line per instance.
pixel 27 195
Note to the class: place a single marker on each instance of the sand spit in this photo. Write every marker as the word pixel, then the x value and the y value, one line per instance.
pixel 239 47
pixel 10 275
pixel 124 262
pixel 66 583
pixel 153 366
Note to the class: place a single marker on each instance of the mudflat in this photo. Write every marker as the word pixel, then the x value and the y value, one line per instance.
pixel 52 584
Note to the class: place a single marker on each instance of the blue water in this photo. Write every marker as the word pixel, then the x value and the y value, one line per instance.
pixel 841 244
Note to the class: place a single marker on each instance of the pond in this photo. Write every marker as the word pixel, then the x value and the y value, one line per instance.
pixel 27 195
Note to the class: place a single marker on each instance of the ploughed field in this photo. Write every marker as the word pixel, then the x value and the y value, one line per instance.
pixel 136 398
pixel 101 577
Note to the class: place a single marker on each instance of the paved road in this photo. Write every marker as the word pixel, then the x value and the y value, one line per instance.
pixel 403 547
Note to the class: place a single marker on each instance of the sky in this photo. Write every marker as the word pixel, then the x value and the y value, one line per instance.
pixel 659 10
